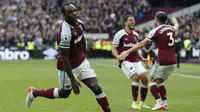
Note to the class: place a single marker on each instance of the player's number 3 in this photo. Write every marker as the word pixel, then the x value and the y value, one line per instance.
pixel 171 39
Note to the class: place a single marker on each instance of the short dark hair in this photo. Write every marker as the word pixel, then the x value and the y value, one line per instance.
pixel 161 17
pixel 63 8
pixel 127 16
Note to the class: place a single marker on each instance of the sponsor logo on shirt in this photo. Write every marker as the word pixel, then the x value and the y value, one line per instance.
pixel 129 45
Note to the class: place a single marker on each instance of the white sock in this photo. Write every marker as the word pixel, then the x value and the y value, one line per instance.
pixel 160 84
pixel 144 85
pixel 159 101
pixel 164 102
pixel 134 102
pixel 100 95
pixel 141 102
pixel 55 93
pixel 135 83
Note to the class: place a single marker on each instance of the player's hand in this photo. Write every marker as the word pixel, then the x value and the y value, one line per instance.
pixel 75 86
pixel 123 55
pixel 119 57
pixel 174 20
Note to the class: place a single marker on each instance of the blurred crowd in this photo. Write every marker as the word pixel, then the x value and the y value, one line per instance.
pixel 106 15
pixel 37 21
pixel 29 20
pixel 190 28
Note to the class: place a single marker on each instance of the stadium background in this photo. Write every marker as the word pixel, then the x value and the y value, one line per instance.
pixel 28 27
pixel 28 32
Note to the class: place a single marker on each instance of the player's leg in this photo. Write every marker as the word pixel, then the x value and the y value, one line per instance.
pixel 62 92
pixel 101 98
pixel 51 93
pixel 130 71
pixel 141 71
pixel 163 94
pixel 144 88
pixel 143 91
pixel 135 87
pixel 155 73
pixel 88 77
pixel 166 72
pixel 156 94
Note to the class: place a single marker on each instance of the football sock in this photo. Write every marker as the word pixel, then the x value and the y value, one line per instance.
pixel 48 93
pixel 143 92
pixel 164 102
pixel 162 91
pixel 134 88
pixel 103 102
pixel 154 90
pixel 159 101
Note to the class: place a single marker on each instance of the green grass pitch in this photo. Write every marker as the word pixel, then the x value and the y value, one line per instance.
pixel 16 76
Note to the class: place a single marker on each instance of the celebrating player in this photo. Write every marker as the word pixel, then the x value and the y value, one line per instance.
pixel 131 66
pixel 163 35
pixel 72 63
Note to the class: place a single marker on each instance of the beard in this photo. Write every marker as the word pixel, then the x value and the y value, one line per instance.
pixel 71 20
pixel 132 28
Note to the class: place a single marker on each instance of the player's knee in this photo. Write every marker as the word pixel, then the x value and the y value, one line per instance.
pixel 95 87
pixel 158 81
pixel 64 93
pixel 135 78
pixel 144 79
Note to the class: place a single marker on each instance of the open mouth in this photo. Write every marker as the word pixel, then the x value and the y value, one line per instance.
pixel 132 25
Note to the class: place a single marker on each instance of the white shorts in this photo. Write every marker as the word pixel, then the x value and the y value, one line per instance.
pixel 83 71
pixel 131 68
pixel 162 72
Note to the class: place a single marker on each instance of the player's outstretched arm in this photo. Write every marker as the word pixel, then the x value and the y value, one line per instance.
pixel 175 22
pixel 139 45
pixel 68 69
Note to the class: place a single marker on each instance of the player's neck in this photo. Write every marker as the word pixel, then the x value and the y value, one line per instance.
pixel 128 30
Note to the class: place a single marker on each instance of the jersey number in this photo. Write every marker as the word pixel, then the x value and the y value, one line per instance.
pixel 170 38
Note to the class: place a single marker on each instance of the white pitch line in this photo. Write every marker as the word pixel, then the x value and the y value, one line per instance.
pixel 104 64
pixel 186 75
pixel 115 66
